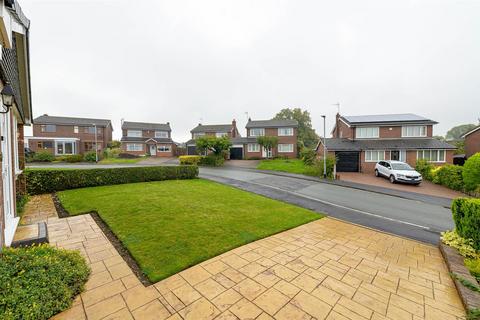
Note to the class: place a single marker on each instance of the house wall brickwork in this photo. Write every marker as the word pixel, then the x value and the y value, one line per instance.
pixel 273 132
pixel 146 145
pixel 472 143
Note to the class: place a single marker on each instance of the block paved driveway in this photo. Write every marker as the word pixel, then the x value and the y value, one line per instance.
pixel 326 269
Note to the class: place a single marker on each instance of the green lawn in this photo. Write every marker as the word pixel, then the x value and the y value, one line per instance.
pixel 169 226
pixel 286 165
pixel 119 160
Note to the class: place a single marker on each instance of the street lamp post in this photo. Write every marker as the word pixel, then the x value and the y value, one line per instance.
pixel 324 150
pixel 96 146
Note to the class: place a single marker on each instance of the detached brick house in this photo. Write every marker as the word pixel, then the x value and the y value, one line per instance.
pixel 217 130
pixel 15 113
pixel 152 139
pixel 69 135
pixel 285 130
pixel 359 142
pixel 472 142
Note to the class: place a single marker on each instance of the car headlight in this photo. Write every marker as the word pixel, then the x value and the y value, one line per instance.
pixel 400 175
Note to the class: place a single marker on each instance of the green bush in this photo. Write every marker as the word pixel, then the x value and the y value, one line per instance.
pixel 450 176
pixel 466 215
pixel 90 156
pixel 40 281
pixel 317 168
pixel 471 173
pixel 73 158
pixel 473 265
pixel 109 153
pixel 425 168
pixel 189 160
pixel 40 181
pixel 212 160
pixel 43 156
pixel 308 156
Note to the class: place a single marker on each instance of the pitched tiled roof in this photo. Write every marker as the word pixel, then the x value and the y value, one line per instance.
pixel 212 128
pixel 471 131
pixel 143 139
pixel 46 119
pixel 338 144
pixel 274 123
pixel 386 118
pixel 146 126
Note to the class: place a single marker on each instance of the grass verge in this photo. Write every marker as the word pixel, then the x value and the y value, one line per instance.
pixel 169 226
pixel 286 165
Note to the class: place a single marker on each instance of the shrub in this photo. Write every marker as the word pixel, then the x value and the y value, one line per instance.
pixel 22 200
pixel 317 168
pixel 90 156
pixel 450 176
pixel 127 156
pixel 471 173
pixel 109 153
pixel 73 158
pixel 41 181
pixel 425 168
pixel 308 156
pixel 464 246
pixel 466 215
pixel 190 160
pixel 212 160
pixel 473 265
pixel 43 156
pixel 40 281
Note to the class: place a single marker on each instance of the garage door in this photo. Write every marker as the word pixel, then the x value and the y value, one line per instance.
pixel 347 161
pixel 236 153
pixel 191 150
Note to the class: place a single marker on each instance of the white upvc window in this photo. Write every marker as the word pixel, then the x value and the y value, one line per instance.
pixel 75 129
pixel 164 148
pixel 161 134
pixel 221 134
pixel 65 147
pixel 134 133
pixel 366 132
pixel 431 155
pixel 15 146
pixel 285 131
pixel 134 147
pixel 374 155
pixel 198 135
pixel 283 147
pixel 414 131
pixel 257 132
pixel 253 147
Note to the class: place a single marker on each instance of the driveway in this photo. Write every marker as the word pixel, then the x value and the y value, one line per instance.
pixel 412 218
pixel 248 164
pixel 426 187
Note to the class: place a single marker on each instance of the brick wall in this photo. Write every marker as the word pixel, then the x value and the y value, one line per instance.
pixel 472 143
pixel 273 132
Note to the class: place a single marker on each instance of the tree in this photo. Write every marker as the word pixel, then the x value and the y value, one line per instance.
pixel 458 131
pixel 306 134
pixel 268 143
pixel 218 146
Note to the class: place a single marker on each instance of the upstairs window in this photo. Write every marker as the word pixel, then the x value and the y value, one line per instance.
pixel 285 131
pixel 134 133
pixel 414 131
pixel 221 134
pixel 257 132
pixel 75 129
pixel 48 128
pixel 365 133
pixel 161 134
pixel 198 135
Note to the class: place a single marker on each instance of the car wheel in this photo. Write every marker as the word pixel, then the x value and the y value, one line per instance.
pixel 376 173
pixel 392 179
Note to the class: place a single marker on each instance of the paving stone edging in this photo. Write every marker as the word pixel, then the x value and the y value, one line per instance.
pixel 455 264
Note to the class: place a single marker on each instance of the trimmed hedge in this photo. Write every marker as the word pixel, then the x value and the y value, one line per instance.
pixel 450 176
pixel 466 215
pixel 212 160
pixel 73 158
pixel 190 160
pixel 425 168
pixel 40 281
pixel 41 181
pixel 43 156
pixel 471 173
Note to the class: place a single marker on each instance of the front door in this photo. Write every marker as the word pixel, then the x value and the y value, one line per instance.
pixel 7 179
pixel 398 155
pixel 266 153
pixel 153 150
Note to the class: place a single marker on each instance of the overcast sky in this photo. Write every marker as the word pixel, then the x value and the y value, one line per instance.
pixel 182 61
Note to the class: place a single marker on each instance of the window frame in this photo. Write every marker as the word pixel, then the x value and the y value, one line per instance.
pixel 358 130
pixel 438 152
pixel 420 135
pixel 166 148
pixel 284 145
pixel 64 143
pixel 162 132
pixel 257 147
pixel 44 127
pixel 75 129
pixel 289 134
pixel 198 135
pixel 262 130
pixel 378 158
pixel 129 133
pixel 221 134
pixel 134 145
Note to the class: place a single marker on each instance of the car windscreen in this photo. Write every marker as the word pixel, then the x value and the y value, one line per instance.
pixel 401 166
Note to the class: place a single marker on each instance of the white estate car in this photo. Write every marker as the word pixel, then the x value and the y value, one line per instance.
pixel 397 171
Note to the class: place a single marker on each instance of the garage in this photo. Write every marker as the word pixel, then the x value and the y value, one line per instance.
pixel 191 150
pixel 236 153
pixel 347 161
